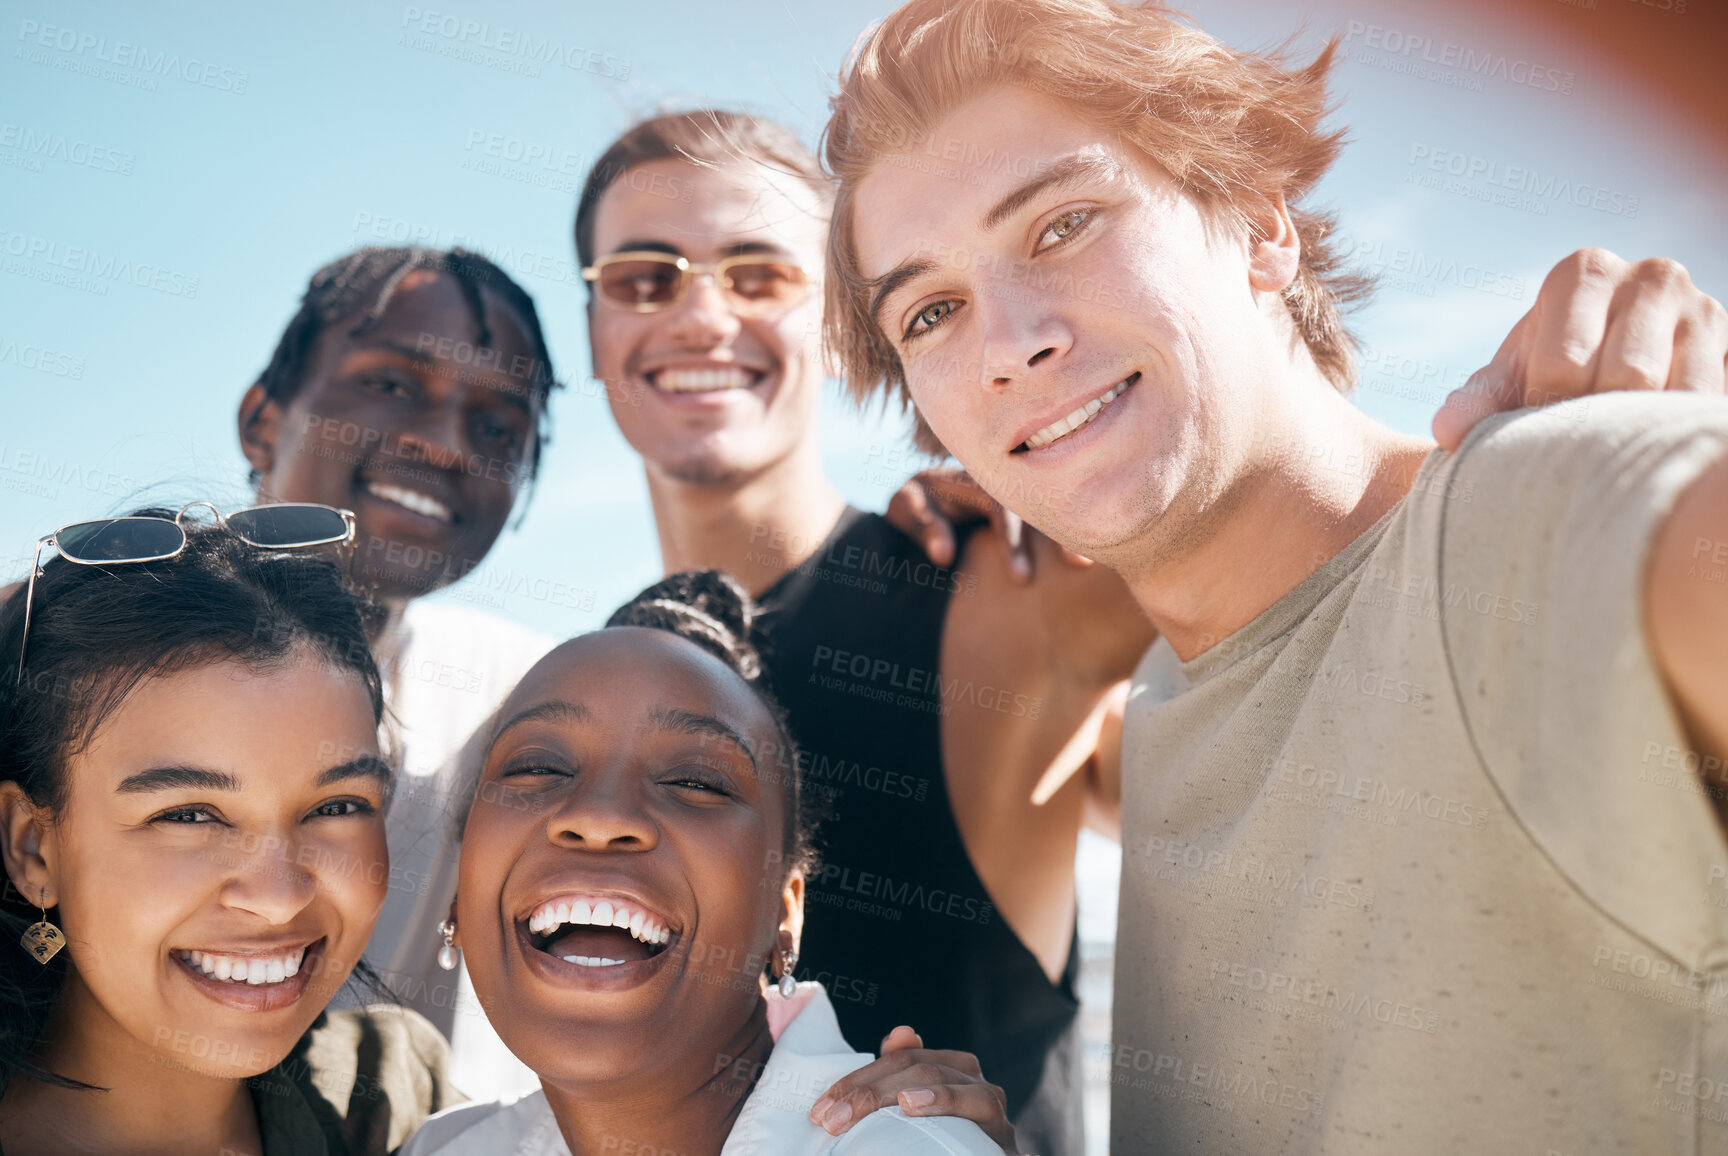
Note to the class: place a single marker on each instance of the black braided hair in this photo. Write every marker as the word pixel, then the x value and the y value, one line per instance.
pixel 360 286
pixel 710 609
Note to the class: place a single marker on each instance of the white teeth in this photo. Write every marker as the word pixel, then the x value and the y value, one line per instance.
pixel 247 969
pixel 556 913
pixel 411 499
pixel 591 960
pixel 703 380
pixel 1057 430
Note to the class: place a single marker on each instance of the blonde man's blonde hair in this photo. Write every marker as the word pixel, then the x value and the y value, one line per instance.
pixel 1234 129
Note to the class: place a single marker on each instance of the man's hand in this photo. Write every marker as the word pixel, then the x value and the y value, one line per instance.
pixel 1599 324
pixel 933 502
pixel 920 1082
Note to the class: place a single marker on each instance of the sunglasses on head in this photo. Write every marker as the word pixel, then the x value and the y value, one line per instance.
pixel 647 282
pixel 116 541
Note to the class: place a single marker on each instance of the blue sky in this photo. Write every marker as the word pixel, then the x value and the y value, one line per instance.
pixel 187 170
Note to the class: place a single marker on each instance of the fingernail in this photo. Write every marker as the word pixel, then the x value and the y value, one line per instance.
pixel 835 1115
pixel 918 1098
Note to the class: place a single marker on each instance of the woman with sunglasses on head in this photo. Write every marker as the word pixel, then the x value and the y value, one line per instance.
pixel 191 825
pixel 632 864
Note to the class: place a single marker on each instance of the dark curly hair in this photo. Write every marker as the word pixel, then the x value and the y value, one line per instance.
pixel 96 634
pixel 710 609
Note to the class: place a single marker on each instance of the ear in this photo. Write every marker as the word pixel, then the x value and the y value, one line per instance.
pixel 1274 251
pixel 260 423
pixel 791 913
pixel 456 935
pixel 27 847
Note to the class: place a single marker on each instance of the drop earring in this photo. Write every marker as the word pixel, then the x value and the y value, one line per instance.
pixel 42 939
pixel 447 953
pixel 788 984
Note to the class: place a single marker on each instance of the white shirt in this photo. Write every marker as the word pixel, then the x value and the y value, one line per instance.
pixel 809 1054
pixel 446 670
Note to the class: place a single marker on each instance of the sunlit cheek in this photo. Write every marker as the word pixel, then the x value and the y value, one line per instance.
pixel 351 867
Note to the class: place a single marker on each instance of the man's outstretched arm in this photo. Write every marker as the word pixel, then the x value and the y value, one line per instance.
pixel 1686 616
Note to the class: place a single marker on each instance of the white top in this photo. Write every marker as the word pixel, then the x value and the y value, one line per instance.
pixel 809 1054
pixel 1418 860
pixel 446 670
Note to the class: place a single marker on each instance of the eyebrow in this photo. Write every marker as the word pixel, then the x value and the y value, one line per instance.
pixel 1070 170
pixel 690 723
pixel 1074 169
pixel 199 779
pixel 555 710
pixel 364 767
pixel 177 778
pixel 419 357
pixel 885 286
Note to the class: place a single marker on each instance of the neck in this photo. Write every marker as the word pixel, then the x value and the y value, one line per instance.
pixel 152 1101
pixel 689 1111
pixel 1320 476
pixel 755 529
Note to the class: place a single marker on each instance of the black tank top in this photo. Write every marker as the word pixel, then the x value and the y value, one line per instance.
pixel 897 924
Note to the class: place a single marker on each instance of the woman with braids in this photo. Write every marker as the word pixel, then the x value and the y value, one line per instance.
pixel 631 903
pixel 191 825
pixel 411 387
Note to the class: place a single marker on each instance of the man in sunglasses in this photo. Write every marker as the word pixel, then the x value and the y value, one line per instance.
pixel 960 724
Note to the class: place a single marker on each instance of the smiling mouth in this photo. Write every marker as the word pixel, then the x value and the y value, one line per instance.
pixel 709 380
pixel 412 500
pixel 598 933
pixel 253 970
pixel 1062 427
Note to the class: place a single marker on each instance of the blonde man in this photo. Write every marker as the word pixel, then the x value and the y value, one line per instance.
pixel 1420 787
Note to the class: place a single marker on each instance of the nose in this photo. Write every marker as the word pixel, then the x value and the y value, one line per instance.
pixel 266 877
pixel 704 318
pixel 602 816
pixel 1020 332
pixel 436 437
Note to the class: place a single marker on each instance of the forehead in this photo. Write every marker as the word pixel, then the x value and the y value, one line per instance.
pixel 972 157
pixel 624 674
pixel 270 727
pixel 701 209
pixel 431 303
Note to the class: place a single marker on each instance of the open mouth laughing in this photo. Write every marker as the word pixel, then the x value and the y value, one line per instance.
pixel 1078 418
pixel 594 933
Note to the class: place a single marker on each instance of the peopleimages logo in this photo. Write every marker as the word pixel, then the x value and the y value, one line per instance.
pixel 84 51
pixel 93 266
pixel 1409 52
pixel 513 42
